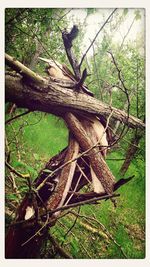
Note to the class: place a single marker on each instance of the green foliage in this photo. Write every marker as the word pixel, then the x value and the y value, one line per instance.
pixel 33 30
pixel 137 15
pixel 74 247
pixel 124 223
pixel 125 11
pixel 90 11
pixel 34 138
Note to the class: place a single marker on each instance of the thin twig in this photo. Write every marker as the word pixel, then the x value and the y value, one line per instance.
pixel 82 172
pixel 115 159
pixel 96 72
pixel 96 37
pixel 126 34
pixel 65 14
pixel 16 172
pixel 37 233
pixel 74 189
pixel 87 218
pixel 80 244
pixel 16 142
pixel 122 82
pixel 18 116
pixel 74 223
pixel 73 205
pixel 74 159
pixel 110 236
pixel 58 248
pixel 125 90
pixel 88 201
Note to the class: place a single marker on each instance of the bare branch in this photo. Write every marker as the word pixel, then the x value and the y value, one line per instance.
pixel 65 14
pixel 69 206
pixel 23 70
pixel 74 223
pixel 16 172
pixel 18 116
pixel 127 33
pixel 96 37
pixel 88 201
pixel 125 91
pixel 58 248
pixel 88 218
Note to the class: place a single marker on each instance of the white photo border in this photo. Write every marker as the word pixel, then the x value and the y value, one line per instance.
pixel 78 4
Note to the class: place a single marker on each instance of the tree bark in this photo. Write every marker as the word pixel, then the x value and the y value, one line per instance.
pixel 131 151
pixel 34 92
pixel 39 49
pixel 96 160
pixel 65 178
pixel 56 98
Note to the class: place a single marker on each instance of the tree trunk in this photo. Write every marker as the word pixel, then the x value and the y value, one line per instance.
pixel 57 99
pixel 60 98
pixel 39 49
pixel 116 127
pixel 131 151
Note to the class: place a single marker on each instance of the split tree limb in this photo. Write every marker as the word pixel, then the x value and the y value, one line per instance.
pixel 23 70
pixel 97 162
pixel 54 98
pixel 66 176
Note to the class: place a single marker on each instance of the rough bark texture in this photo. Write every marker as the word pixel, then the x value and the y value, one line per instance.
pixel 96 160
pixel 18 234
pixel 57 99
pixel 39 49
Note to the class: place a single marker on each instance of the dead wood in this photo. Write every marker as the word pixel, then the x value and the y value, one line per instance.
pixel 65 178
pixel 98 164
pixel 56 98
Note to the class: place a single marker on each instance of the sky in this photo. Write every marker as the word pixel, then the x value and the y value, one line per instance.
pixel 95 21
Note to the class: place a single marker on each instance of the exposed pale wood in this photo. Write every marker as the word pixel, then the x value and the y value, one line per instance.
pixel 98 164
pixel 66 176
pixel 23 70
pixel 90 127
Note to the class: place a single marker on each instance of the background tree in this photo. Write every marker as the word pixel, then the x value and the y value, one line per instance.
pixel 37 32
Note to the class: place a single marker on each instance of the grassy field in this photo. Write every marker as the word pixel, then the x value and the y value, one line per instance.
pixel 113 232
pixel 123 235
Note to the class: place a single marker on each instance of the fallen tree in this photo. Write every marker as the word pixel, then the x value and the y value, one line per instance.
pixel 58 97
pixel 58 184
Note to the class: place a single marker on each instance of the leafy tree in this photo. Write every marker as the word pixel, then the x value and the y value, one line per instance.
pixel 32 139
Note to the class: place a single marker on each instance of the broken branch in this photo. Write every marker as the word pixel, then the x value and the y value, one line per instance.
pixel 55 99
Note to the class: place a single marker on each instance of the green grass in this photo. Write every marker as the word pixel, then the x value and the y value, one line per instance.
pixel 126 222
pixel 38 138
